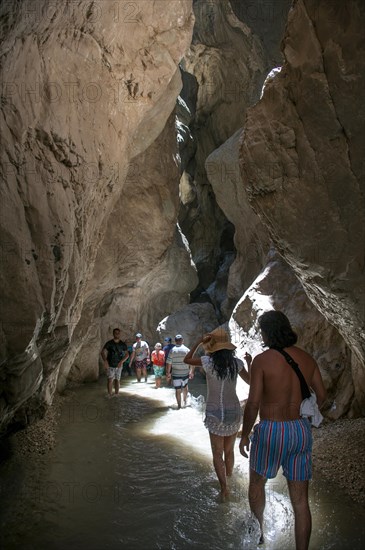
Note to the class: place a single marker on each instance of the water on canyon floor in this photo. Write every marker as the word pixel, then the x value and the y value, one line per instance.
pixel 134 473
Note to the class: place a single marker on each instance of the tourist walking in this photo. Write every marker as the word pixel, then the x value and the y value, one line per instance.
pixel 166 349
pixel 141 357
pixel 114 355
pixel 223 413
pixel 178 370
pixel 282 437
pixel 126 365
pixel 158 362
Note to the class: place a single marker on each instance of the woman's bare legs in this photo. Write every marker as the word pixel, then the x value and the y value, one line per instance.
pixel 223 459
pixel 229 442
pixel 217 444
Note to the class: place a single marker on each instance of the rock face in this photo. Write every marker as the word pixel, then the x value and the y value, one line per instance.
pixel 191 321
pixel 229 62
pixel 302 161
pixel 251 238
pixel 86 89
pixel 143 270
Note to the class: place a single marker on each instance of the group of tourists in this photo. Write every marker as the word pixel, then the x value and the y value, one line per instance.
pixel 281 438
pixel 118 358
pixel 167 360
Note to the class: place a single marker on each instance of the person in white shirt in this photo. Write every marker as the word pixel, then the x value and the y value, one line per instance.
pixel 141 355
pixel 223 414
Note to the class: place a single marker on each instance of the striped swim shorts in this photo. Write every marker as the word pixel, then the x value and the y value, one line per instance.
pixel 287 444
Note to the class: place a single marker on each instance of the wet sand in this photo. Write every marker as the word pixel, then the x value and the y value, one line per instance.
pixel 338 448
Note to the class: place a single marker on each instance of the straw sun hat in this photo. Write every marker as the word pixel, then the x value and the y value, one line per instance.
pixel 219 340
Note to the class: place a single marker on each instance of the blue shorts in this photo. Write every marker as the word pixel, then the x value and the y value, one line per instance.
pixel 287 444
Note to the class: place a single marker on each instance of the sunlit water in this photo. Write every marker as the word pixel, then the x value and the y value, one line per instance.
pixel 134 473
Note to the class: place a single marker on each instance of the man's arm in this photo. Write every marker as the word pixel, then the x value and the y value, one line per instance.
pixel 253 404
pixel 104 355
pixel 131 357
pixel 168 367
pixel 318 386
pixel 245 374
pixel 125 357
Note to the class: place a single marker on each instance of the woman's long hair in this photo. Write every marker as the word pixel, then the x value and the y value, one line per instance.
pixel 224 364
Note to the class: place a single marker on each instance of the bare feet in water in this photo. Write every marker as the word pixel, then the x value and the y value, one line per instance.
pixel 224 495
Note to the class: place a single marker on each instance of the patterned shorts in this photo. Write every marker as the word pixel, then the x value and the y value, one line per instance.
pixel 287 444
pixel 141 364
pixel 159 371
pixel 114 374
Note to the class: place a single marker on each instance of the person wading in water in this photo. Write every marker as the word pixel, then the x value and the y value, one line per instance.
pixel 223 413
pixel 282 437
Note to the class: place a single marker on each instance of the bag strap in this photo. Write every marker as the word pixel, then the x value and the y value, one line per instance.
pixel 303 384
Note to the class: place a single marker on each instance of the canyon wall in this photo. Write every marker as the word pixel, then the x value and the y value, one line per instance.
pixel 277 287
pixel 232 51
pixel 302 162
pixel 86 88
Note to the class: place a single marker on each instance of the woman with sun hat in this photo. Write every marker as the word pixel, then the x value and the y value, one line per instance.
pixel 223 414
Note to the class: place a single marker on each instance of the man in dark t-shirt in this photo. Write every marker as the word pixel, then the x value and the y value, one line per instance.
pixel 114 354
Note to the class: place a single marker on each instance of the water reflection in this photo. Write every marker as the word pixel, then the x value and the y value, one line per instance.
pixel 132 472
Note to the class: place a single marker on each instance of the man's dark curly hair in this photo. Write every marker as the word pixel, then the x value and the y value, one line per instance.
pixel 277 329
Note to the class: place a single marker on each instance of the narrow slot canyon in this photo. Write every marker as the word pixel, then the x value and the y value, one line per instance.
pixel 169 167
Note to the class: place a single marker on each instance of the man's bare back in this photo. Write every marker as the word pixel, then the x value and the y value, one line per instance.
pixel 282 438
pixel 281 395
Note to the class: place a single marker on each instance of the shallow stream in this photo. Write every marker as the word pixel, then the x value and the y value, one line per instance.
pixel 134 473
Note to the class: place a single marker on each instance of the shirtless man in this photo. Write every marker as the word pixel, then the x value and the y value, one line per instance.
pixel 282 437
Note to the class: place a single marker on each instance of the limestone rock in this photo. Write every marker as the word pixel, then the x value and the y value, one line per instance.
pixel 267 21
pixel 191 321
pixel 85 90
pixel 143 270
pixel 302 164
pixel 229 59
pixel 251 237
